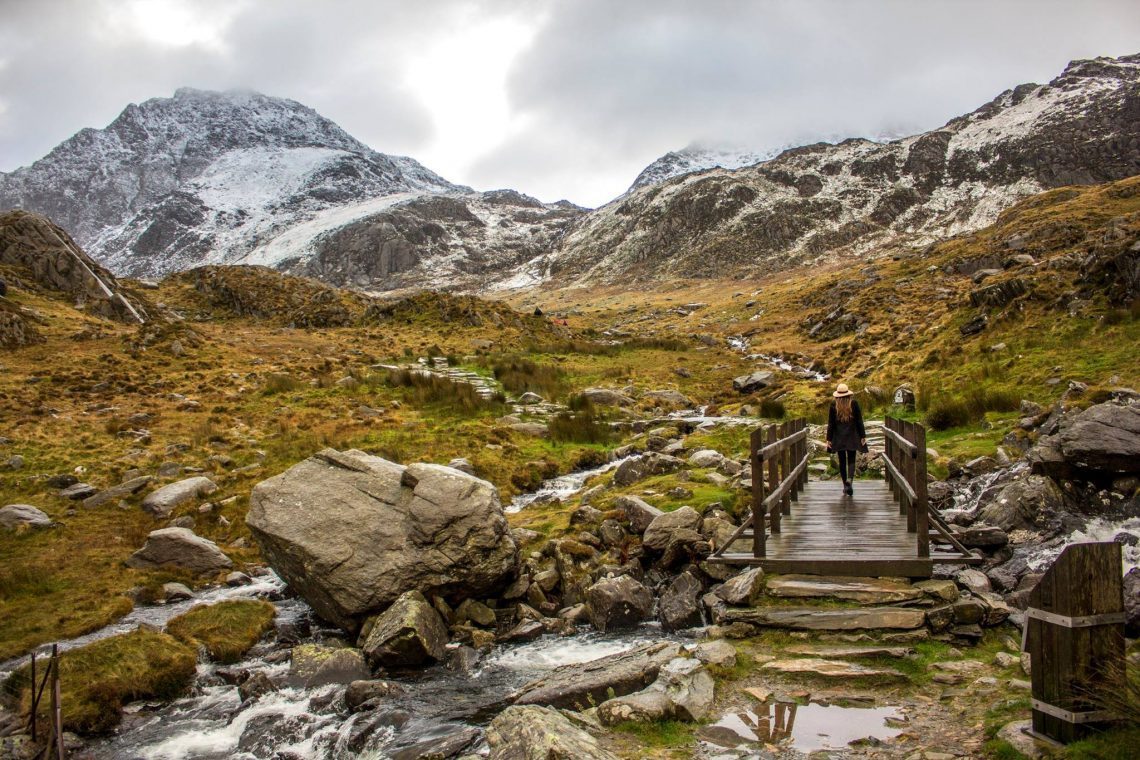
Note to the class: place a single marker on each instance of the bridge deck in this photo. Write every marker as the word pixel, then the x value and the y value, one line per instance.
pixel 829 533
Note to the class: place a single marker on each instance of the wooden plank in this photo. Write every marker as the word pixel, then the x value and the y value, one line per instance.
pixel 910 568
pixel 786 471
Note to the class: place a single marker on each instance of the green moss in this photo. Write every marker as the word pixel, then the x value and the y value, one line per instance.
pixel 227 629
pixel 98 679
pixel 661 734
pixel 1118 744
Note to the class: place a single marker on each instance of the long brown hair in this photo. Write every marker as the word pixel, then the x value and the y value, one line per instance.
pixel 843 411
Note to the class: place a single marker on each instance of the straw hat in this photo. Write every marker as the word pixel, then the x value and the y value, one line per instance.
pixel 842 390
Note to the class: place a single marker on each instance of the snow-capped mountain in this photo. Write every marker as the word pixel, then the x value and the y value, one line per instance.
pixel 824 201
pixel 696 158
pixel 205 177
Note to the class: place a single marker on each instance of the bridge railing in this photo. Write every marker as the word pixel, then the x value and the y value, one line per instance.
pixel 779 457
pixel 904 463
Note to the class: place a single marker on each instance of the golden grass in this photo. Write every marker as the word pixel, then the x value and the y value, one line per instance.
pixel 227 630
pixel 96 680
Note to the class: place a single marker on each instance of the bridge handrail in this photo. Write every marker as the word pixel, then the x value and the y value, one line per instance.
pixel 904 460
pixel 779 472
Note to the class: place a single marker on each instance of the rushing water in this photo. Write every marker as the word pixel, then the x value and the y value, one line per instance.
pixel 313 724
pixel 560 487
pixel 741 344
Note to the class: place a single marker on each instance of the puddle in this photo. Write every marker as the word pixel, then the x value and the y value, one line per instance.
pixel 805 728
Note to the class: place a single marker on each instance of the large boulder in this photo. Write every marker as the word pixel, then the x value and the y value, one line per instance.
pixel 1033 503
pixel 606 397
pixel 351 532
pixel 1103 439
pixel 181 549
pixel 162 502
pixel 410 632
pixel 540 733
pixel 23 516
pixel 617 603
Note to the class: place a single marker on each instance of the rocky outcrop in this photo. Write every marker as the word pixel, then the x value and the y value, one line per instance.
pixel 576 686
pixel 1031 503
pixel 684 690
pixel 408 633
pixel 181 549
pixel 52 261
pixel 540 733
pixel 351 532
pixel 1103 440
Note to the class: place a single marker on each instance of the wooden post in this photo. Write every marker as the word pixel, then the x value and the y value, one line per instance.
pixel 1075 638
pixel 786 468
pixel 922 521
pixel 56 703
pixel 34 705
pixel 771 436
pixel 759 538
pixel 906 467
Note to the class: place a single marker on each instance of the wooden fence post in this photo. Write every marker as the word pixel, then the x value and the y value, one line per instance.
pixel 786 468
pixel 922 521
pixel 1075 637
pixel 759 538
pixel 771 436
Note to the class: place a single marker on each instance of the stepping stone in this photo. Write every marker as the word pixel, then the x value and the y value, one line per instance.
pixel 863 590
pixel 838 669
pixel 850 652
pixel 816 619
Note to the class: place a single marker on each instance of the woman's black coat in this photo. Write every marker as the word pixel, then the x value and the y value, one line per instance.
pixel 845 436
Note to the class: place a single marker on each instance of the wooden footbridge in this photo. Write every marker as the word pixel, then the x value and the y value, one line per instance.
pixel 799 525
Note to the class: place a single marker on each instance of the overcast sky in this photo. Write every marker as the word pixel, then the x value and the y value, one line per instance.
pixel 559 99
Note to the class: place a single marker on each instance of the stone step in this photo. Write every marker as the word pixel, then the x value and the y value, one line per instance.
pixel 832 669
pixel 817 619
pixel 862 590
pixel 851 652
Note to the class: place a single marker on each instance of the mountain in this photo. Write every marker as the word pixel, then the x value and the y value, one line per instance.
pixel 204 177
pixel 823 202
pixel 696 158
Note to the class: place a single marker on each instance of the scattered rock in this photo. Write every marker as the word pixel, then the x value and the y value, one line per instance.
pixel 176 592
pixel 313 665
pixel 78 491
pixel 754 382
pixel 717 652
pixel 1032 502
pixel 745 588
pixel 121 491
pixel 706 458
pixel 23 517
pixel 410 632
pixel 575 686
pixel 540 733
pixel 180 548
pixel 617 603
pixel 661 532
pixel 363 691
pixel 678 607
pixel 606 397
pixel 639 513
pixel 162 502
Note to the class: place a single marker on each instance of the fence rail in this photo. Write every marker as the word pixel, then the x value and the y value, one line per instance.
pixel 54 749
pixel 904 464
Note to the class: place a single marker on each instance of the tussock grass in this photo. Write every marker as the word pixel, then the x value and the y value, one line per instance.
pixel 279 382
pixel 98 679
pixel 227 630
pixel 580 427
pixel 520 375
pixel 426 389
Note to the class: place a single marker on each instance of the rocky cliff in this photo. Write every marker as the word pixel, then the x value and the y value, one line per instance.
pixel 823 201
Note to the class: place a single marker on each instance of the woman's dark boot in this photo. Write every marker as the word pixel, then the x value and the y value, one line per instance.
pixel 848 489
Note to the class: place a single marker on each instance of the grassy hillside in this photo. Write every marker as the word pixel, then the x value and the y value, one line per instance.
pixel 242 389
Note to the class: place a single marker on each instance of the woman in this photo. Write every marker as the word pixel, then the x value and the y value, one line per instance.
pixel 845 433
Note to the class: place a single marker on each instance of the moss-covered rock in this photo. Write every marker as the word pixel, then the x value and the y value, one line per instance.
pixel 227 630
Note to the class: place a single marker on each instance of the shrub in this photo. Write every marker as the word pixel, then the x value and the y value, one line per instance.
pixel 227 629
pixel 582 427
pixel 773 409
pixel 428 388
pixel 280 383
pixel 522 375
pixel 947 412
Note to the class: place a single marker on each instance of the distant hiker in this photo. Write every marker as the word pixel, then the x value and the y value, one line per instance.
pixel 845 433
